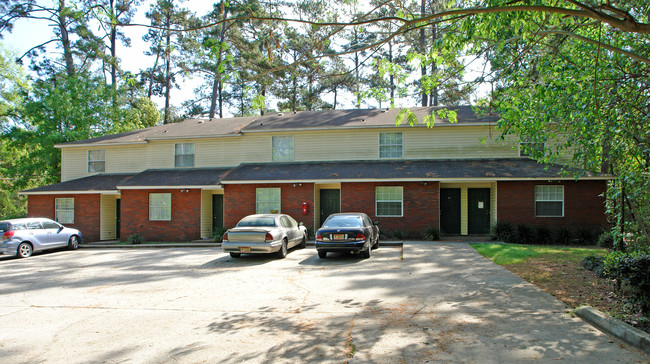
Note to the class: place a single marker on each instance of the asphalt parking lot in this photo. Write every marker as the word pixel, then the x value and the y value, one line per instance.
pixel 442 303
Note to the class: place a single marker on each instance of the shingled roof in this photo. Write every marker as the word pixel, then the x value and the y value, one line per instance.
pixel 432 169
pixel 103 182
pixel 179 177
pixel 324 119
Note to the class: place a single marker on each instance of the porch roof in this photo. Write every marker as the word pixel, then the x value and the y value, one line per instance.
pixel 432 169
pixel 176 178
pixel 98 183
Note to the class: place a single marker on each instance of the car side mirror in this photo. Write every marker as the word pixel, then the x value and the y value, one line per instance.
pixel 376 222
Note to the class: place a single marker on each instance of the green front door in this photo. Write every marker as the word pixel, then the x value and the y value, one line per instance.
pixel 478 210
pixel 217 212
pixel 330 203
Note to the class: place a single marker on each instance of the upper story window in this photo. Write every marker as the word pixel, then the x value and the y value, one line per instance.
pixel 526 149
pixel 267 201
pixel 160 206
pixel 549 201
pixel 184 155
pixel 64 210
pixel 389 200
pixel 390 145
pixel 282 148
pixel 96 161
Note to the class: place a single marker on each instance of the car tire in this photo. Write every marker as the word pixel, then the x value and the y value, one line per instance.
pixel 366 253
pixel 376 244
pixel 235 255
pixel 282 253
pixel 322 254
pixel 24 250
pixel 303 243
pixel 73 243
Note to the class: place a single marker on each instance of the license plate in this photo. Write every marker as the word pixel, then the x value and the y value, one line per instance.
pixel 338 236
pixel 245 249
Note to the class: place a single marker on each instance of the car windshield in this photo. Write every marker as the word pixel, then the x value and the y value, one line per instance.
pixel 4 226
pixel 257 221
pixel 343 221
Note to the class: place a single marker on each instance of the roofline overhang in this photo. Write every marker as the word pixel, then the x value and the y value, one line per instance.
pixel 167 187
pixel 100 144
pixel 103 192
pixel 197 137
pixel 445 180
pixel 366 127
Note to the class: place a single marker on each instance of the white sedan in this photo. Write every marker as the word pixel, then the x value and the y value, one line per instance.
pixel 264 233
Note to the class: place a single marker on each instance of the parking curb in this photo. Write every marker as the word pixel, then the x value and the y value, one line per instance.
pixel 617 328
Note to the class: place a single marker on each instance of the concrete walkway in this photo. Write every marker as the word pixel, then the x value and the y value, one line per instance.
pixel 442 303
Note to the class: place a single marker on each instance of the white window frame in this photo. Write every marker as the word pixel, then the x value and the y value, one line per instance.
pixel 160 206
pixel 64 210
pixel 96 158
pixel 264 198
pixel 549 193
pixel 282 148
pixel 390 146
pixel 378 200
pixel 179 158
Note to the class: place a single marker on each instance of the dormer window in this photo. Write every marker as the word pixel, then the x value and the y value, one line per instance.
pixel 282 148
pixel 390 145
pixel 96 161
pixel 184 155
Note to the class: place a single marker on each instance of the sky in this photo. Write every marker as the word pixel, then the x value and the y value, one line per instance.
pixel 29 33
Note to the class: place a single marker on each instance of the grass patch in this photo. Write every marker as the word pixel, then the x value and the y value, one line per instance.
pixel 503 254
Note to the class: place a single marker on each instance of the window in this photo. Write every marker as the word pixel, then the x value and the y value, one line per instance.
pixel 96 161
pixel 184 155
pixel 267 200
pixel 388 201
pixel 527 149
pixel 160 206
pixel 390 145
pixel 549 201
pixel 64 210
pixel 282 148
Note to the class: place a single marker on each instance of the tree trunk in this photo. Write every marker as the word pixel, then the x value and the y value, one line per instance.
pixel 392 76
pixel 423 68
pixel 65 39
pixel 434 67
pixel 216 87
pixel 113 46
pixel 168 61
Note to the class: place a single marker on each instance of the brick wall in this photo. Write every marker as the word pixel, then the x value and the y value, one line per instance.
pixel 239 201
pixel 421 209
pixel 185 223
pixel 583 205
pixel 86 212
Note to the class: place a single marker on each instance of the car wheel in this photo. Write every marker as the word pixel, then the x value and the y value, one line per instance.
pixel 283 250
pixel 73 243
pixel 376 245
pixel 24 250
pixel 235 255
pixel 303 243
pixel 322 254
pixel 366 253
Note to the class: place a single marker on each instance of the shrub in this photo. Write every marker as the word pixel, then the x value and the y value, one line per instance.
pixel 563 236
pixel 525 234
pixel 310 232
pixel 543 235
pixel 631 273
pixel 595 264
pixel 606 240
pixel 217 234
pixel 398 235
pixel 503 231
pixel 432 233
pixel 135 239
pixel 585 236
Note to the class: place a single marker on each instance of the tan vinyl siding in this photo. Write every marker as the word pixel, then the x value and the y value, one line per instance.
pixel 309 145
pixel 493 204
pixel 107 218
pixel 206 212
pixel 464 220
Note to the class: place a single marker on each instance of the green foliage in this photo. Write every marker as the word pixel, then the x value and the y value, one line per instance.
pixel 563 236
pixel 631 273
pixel 516 253
pixel 606 240
pixel 594 263
pixel 524 234
pixel 217 235
pixel 504 231
pixel 135 239
pixel 432 233
pixel 543 235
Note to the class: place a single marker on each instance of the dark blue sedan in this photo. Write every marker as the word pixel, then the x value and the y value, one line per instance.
pixel 349 232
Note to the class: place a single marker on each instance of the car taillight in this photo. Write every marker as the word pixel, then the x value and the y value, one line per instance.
pixel 8 235
pixel 224 237
pixel 360 237
pixel 269 237
pixel 319 237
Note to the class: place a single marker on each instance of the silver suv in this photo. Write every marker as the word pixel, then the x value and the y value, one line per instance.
pixel 22 237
